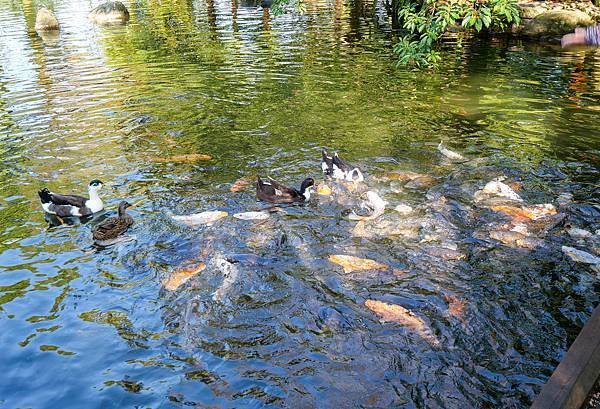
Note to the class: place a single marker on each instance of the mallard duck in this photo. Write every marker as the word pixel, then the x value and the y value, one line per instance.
pixel 113 227
pixel 72 205
pixel 338 169
pixel 274 192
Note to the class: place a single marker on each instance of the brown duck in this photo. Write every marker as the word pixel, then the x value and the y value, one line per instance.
pixel 113 227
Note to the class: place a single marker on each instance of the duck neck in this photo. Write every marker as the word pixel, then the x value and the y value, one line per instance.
pixel 122 211
pixel 94 197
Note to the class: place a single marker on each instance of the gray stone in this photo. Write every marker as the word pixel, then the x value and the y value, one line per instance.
pixel 45 20
pixel 110 12
pixel 556 23
pixel 530 10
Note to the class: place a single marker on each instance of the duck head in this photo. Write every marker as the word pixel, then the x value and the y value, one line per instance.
pixel 93 188
pixel 95 185
pixel 306 187
pixel 122 206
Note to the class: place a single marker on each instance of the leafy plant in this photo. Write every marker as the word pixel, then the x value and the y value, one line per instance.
pixel 426 22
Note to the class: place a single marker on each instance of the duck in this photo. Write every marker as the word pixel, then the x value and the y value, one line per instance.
pixel 274 192
pixel 73 205
pixel 113 227
pixel 335 167
pixel 326 163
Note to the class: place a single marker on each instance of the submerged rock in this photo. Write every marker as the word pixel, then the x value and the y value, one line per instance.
pixel 556 23
pixel 45 20
pixel 110 12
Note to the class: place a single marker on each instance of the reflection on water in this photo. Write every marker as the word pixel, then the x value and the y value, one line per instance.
pixel 271 321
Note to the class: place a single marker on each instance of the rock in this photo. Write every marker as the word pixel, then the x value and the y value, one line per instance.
pixel 45 20
pixel 556 23
pixel 110 12
pixel 530 10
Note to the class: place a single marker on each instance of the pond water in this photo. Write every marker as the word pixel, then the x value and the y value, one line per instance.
pixel 271 322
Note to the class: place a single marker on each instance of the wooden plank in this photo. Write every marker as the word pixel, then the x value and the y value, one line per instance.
pixel 573 379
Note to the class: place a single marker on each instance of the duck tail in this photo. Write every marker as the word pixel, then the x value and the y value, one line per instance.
pixel 45 195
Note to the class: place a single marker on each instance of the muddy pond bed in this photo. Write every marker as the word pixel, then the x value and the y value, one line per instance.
pixel 464 290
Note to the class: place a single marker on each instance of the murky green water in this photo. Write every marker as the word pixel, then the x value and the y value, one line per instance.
pixel 270 321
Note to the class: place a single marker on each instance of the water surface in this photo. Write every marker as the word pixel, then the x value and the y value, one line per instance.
pixel 270 322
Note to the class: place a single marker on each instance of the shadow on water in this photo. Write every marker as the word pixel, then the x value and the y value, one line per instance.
pixel 270 321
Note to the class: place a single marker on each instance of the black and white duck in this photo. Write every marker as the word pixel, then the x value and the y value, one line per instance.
pixel 274 192
pixel 113 227
pixel 72 205
pixel 336 168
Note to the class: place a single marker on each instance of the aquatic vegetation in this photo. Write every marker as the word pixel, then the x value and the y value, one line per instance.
pixel 186 158
pixel 427 21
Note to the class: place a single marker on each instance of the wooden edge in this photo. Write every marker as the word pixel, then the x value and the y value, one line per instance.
pixel 578 371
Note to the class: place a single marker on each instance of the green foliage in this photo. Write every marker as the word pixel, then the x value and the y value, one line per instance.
pixel 428 20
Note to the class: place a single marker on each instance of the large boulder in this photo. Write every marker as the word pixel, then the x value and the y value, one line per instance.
pixel 45 20
pixel 556 23
pixel 111 12
pixel 531 10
